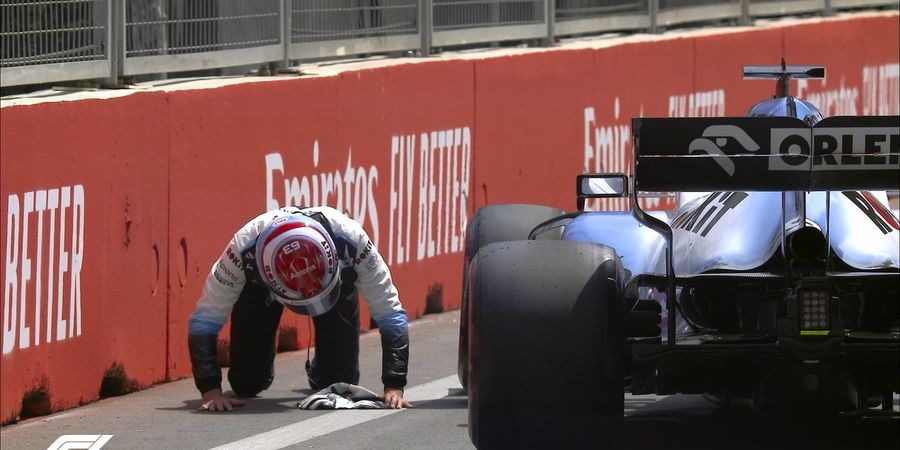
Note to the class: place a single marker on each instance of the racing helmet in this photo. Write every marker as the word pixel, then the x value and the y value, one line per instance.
pixel 297 262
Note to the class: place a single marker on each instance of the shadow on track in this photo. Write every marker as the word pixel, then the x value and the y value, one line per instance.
pixel 256 405
pixel 683 423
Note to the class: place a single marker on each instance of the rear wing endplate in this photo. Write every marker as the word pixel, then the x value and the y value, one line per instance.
pixel 766 154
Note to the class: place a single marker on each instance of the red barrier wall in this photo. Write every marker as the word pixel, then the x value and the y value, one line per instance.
pixel 161 180
pixel 719 66
pixel 241 150
pixel 218 178
pixel 84 201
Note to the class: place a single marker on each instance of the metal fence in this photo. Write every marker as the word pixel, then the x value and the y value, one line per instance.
pixel 45 41
pixel 178 35
pixel 337 28
pixel 49 41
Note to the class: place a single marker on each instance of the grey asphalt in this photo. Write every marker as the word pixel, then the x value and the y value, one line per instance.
pixel 166 416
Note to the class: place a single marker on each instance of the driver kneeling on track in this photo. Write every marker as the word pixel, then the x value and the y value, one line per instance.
pixel 312 261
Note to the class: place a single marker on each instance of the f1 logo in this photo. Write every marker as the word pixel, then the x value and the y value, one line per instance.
pixel 80 441
pixel 721 133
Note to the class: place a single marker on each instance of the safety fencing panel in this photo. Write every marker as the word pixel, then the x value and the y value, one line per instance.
pixel 676 12
pixel 85 250
pixel 333 28
pixel 49 41
pixel 44 41
pixel 757 8
pixel 114 219
pixel 465 22
pixel 179 35
pixel 595 16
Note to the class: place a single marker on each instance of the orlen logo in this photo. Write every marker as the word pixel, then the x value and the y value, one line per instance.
pixel 836 148
pixel 80 441
pixel 715 138
pixel 830 148
pixel 44 251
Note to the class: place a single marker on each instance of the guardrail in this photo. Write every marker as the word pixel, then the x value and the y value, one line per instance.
pixel 46 41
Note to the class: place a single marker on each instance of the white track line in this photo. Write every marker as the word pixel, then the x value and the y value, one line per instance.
pixel 338 420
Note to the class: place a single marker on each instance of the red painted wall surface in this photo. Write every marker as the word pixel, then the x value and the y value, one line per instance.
pixel 411 150
pixel 220 138
pixel 84 202
pixel 239 151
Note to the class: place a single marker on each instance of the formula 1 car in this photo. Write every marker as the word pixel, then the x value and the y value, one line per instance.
pixel 778 288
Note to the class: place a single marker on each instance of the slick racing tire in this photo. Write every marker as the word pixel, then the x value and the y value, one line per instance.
pixel 496 223
pixel 546 344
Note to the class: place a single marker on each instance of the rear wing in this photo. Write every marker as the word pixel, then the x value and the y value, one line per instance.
pixel 776 72
pixel 766 154
pixel 783 74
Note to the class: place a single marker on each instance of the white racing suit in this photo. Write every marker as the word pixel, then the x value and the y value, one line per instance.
pixel 234 288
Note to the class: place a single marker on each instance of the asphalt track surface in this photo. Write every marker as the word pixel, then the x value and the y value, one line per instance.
pixel 166 416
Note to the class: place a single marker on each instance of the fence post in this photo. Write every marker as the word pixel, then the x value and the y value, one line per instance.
pixel 286 32
pixel 653 10
pixel 550 12
pixel 745 13
pixel 101 35
pixel 115 40
pixel 426 26
pixel 828 9
pixel 162 13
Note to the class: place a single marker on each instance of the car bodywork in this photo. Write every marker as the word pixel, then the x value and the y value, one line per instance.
pixel 779 287
pixel 788 280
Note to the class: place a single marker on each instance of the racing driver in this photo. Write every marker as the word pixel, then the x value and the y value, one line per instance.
pixel 312 261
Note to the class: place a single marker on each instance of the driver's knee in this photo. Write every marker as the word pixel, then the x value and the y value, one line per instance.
pixel 249 386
